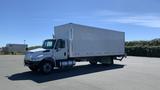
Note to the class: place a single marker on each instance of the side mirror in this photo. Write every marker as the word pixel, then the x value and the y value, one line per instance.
pixel 26 49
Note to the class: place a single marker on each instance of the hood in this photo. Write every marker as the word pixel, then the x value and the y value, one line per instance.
pixel 37 50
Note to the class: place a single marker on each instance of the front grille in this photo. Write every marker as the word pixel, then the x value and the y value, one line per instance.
pixel 30 63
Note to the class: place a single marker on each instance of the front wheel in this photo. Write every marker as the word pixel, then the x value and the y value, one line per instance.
pixel 46 67
pixel 33 69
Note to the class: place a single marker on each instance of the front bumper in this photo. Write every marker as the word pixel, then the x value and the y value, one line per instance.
pixel 31 63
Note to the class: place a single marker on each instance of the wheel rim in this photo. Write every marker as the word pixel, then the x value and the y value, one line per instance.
pixel 47 67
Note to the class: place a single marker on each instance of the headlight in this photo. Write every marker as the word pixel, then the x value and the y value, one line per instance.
pixel 28 55
pixel 39 56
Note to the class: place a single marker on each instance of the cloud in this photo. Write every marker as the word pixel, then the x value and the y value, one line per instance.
pixel 148 19
pixel 108 13
pixel 151 20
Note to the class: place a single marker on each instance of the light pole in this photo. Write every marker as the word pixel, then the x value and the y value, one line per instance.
pixel 24 41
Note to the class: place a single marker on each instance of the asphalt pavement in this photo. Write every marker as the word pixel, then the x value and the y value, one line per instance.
pixel 133 73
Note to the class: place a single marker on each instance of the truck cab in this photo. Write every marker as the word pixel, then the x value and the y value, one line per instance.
pixel 54 53
pixel 57 48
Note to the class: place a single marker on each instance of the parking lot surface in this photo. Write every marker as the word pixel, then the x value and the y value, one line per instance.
pixel 133 73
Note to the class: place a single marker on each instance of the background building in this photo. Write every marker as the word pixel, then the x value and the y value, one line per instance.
pixel 1 50
pixel 15 48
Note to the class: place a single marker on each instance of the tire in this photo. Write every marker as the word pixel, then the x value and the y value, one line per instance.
pixel 108 62
pixel 33 68
pixel 46 67
pixel 93 62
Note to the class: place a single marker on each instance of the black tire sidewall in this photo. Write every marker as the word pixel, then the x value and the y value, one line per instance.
pixel 33 68
pixel 93 62
pixel 42 67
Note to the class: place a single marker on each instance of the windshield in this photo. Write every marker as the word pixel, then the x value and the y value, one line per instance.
pixel 48 44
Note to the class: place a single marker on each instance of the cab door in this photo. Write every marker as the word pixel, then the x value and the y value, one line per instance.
pixel 61 49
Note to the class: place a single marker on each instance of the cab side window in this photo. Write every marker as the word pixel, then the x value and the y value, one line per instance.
pixel 60 44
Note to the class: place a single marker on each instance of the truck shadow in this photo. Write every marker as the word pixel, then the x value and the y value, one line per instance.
pixel 63 73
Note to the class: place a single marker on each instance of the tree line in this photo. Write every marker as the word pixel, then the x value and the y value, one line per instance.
pixel 143 48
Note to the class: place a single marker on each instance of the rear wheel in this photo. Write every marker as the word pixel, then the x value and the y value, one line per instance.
pixel 107 61
pixel 46 67
pixel 93 62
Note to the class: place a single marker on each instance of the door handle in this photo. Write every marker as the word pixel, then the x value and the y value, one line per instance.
pixel 64 53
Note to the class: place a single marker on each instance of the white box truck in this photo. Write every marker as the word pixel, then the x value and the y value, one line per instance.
pixel 73 43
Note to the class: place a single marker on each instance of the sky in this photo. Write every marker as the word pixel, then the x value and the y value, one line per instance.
pixel 34 20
